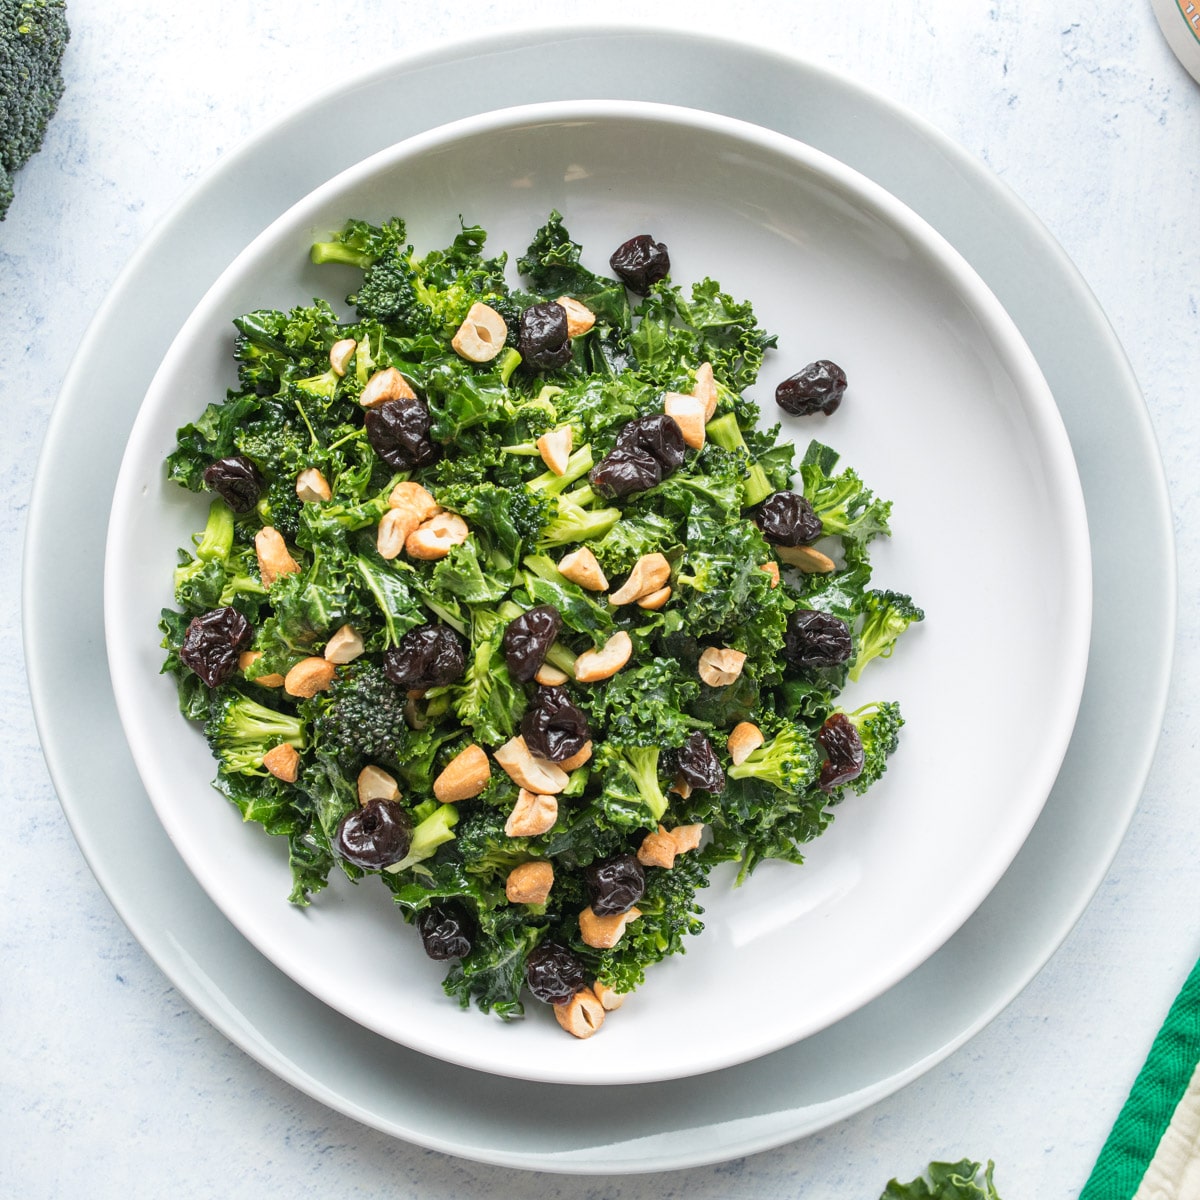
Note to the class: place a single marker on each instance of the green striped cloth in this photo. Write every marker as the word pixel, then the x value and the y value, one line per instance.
pixel 1153 1151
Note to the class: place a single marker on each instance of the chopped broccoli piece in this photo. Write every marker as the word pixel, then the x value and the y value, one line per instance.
pixel 360 720
pixel 878 728
pixel 790 761
pixel 886 615
pixel 241 731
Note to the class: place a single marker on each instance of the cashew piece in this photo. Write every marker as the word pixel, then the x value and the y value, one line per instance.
pixel 312 486
pixel 593 665
pixel 688 413
pixel 412 496
pixel 578 759
pixel 340 354
pixel 686 837
pixel 772 569
pixel 705 389
pixel 383 386
pixel 273 557
pixel 582 567
pixel 603 933
pixel 308 677
pixel 658 850
pixel 464 776
pixel 580 318
pixel 649 573
pixel 481 335
pixel 374 783
pixel 610 999
pixel 528 771
pixel 745 738
pixel 532 814
pixel 720 666
pixel 550 676
pixel 806 559
pixel 249 657
pixel 435 537
pixel 582 1015
pixel 530 883
pixel 344 646
pixel 392 532
pixel 680 787
pixel 655 601
pixel 283 762
pixel 555 448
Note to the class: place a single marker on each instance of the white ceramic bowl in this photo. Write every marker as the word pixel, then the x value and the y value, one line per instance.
pixel 947 415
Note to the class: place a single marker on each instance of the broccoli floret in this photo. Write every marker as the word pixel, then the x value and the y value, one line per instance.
pixel 789 761
pixel 630 780
pixel 360 719
pixel 886 615
pixel 846 506
pixel 878 728
pixel 727 434
pixel 240 731
pixel 434 828
pixel 33 36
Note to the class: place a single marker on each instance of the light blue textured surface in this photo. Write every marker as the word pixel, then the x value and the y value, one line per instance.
pixel 112 1085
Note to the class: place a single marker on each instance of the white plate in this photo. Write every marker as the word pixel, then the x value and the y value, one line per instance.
pixel 948 416
pixel 820 1080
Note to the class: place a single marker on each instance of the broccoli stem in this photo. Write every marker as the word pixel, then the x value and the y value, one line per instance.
pixel 727 434
pixel 549 484
pixel 338 252
pixel 431 833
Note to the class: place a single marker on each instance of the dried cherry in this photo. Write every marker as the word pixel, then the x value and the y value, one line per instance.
pixel 816 639
pixel 398 431
pixel 553 727
pixel 212 643
pixel 657 435
pixel 425 657
pixel 553 973
pixel 622 472
pixel 236 480
pixel 819 387
pixel 374 836
pixel 542 337
pixel 615 884
pixel 844 749
pixel 527 639
pixel 640 263
pixel 787 519
pixel 446 931
pixel 699 765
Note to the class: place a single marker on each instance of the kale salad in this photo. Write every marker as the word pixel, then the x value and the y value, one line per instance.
pixel 509 597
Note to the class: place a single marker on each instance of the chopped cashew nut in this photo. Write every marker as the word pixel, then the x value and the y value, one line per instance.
pixel 435 537
pixel 806 559
pixel 686 837
pixel 464 776
pixel 681 787
pixel 582 567
pixel 720 666
pixel 580 318
pixel 312 486
pixel 655 601
pixel 550 676
pixel 772 569
pixel 394 528
pixel 555 448
pixel 649 573
pixel 344 646
pixel 705 388
pixel 581 756
pixel 658 850
pixel 410 495
pixel 530 883
pixel 482 334
pixel 374 783
pixel 533 813
pixel 273 557
pixel 528 771
pixel 593 665
pixel 249 657
pixel 283 762
pixel 610 999
pixel 582 1015
pixel 383 386
pixel 308 677
pixel 340 354
pixel 688 414
pixel 745 738
pixel 603 933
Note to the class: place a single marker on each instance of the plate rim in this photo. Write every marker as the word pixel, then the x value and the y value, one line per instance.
pixel 450 57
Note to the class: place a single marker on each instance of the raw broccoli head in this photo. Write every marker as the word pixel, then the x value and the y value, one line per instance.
pixel 33 36
pixel 240 731
pixel 360 720
pixel 878 728
pixel 790 761
pixel 886 615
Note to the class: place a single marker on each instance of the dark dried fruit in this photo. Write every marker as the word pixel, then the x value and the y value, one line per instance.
pixel 446 931
pixel 699 765
pixel 787 519
pixel 426 657
pixel 553 973
pixel 212 643
pixel 844 749
pixel 819 387
pixel 622 472
pixel 542 337
pixel 527 639
pixel 657 435
pixel 553 727
pixel 236 480
pixel 615 885
pixel 816 639
pixel 398 431
pixel 640 263
pixel 374 836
